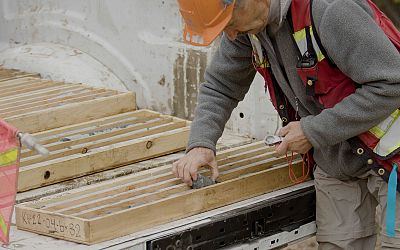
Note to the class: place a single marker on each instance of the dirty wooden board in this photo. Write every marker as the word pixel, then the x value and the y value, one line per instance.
pixel 32 104
pixel 101 144
pixel 227 140
pixel 136 202
pixel 10 74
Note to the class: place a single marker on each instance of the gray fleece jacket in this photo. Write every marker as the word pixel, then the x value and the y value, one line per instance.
pixel 356 45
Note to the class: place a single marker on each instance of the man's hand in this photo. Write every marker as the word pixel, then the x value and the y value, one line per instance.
pixel 294 139
pixel 186 167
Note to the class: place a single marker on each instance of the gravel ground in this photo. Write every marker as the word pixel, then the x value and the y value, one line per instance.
pixel 311 244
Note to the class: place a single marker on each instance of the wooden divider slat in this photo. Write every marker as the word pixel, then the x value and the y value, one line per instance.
pixel 110 192
pixel 11 74
pixel 100 132
pixel 102 158
pixel 143 183
pixel 33 104
pixel 25 86
pixel 50 96
pixel 97 145
pixel 93 128
pixel 19 81
pixel 49 136
pixel 26 94
pixel 5 78
pixel 76 138
pixel 24 90
pixel 75 207
pixel 117 205
pixel 193 202
pixel 113 139
pixel 124 181
pixel 37 95
pixel 71 99
pixel 76 112
pixel 135 201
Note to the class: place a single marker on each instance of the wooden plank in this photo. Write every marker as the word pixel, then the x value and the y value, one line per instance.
pixel 59 226
pixel 26 89
pixel 98 159
pixel 11 74
pixel 103 132
pixel 26 86
pixel 25 81
pixel 33 99
pixel 91 125
pixel 56 103
pixel 48 98
pixel 189 203
pixel 142 131
pixel 76 207
pixel 33 105
pixel 126 182
pixel 76 113
pixel 242 149
pixel 23 94
pixel 26 97
pixel 18 81
pixel 126 188
pixel 19 76
pixel 251 153
pixel 134 202
pixel 114 205
pixel 95 124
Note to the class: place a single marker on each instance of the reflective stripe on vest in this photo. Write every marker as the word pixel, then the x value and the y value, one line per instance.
pixel 9 157
pixel 388 131
pixel 3 225
pixel 301 41
pixel 261 61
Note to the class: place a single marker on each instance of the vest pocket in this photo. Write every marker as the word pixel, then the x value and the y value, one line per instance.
pixel 326 84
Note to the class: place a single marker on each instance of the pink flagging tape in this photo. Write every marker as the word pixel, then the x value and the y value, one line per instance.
pixel 9 164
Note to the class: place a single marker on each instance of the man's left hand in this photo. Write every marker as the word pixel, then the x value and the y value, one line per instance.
pixel 293 139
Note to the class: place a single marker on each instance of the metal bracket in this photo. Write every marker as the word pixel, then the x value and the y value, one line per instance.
pixel 282 214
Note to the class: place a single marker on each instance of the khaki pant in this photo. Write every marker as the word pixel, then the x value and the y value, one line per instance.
pixel 346 212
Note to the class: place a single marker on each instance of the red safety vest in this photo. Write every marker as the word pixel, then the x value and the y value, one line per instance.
pixel 325 83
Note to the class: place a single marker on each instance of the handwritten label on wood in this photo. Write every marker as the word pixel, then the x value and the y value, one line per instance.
pixel 51 224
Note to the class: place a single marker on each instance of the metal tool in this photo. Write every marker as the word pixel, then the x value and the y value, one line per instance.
pixel 30 142
pixel 272 140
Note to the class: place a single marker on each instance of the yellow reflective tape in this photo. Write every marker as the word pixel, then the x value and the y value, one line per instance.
pixel 395 114
pixel 311 31
pixel 3 225
pixel 320 56
pixel 253 36
pixel 377 132
pixel 380 130
pixel 9 157
pixel 299 35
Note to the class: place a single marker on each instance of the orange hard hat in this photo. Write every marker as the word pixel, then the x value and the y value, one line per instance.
pixel 204 19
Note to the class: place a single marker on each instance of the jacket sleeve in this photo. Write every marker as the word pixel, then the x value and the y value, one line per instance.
pixel 361 50
pixel 228 78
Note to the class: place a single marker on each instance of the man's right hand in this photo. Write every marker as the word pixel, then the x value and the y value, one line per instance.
pixel 186 168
